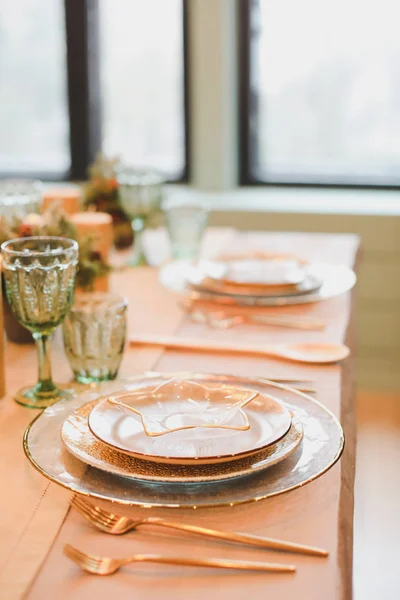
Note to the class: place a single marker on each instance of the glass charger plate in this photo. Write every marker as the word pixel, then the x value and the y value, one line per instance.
pixel 336 280
pixel 322 446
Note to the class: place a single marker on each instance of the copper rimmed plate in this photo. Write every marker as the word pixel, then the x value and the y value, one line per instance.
pixel 80 441
pixel 172 404
pixel 321 447
pixel 198 282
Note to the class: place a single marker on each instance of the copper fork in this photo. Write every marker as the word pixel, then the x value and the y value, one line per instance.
pixel 107 566
pixel 118 525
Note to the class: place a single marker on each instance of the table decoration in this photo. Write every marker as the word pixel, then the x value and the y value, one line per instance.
pixel 68 198
pixel 53 222
pixel 193 423
pixel 39 275
pixel 96 227
pixel 101 193
pixel 141 194
pixel 94 336
pixel 336 280
pixel 81 443
pixel 320 448
pixel 186 225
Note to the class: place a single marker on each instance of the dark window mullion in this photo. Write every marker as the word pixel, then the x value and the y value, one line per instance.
pixel 246 152
pixel 186 103
pixel 84 100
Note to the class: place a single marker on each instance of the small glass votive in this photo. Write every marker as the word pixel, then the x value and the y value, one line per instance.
pixel 186 225
pixel 19 197
pixel 94 336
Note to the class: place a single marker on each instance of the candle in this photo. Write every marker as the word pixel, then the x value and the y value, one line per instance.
pixel 69 198
pixel 97 226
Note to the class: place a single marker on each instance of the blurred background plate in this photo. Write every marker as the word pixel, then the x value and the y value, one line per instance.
pixel 336 280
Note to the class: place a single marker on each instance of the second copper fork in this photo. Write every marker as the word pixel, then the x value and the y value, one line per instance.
pixel 118 525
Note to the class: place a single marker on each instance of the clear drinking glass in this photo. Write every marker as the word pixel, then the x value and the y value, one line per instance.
pixel 94 336
pixel 39 275
pixel 140 195
pixel 19 197
pixel 186 225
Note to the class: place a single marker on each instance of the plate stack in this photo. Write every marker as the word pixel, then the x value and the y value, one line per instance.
pixel 257 279
pixel 184 440
pixel 182 430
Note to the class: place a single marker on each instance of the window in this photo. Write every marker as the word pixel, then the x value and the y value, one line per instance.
pixel 33 88
pixel 141 62
pixel 82 76
pixel 323 92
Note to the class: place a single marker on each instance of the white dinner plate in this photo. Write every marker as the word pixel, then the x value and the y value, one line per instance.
pixel 256 269
pixel 199 279
pixel 178 421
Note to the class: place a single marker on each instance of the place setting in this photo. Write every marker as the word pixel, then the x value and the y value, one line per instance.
pixel 168 439
pixel 257 279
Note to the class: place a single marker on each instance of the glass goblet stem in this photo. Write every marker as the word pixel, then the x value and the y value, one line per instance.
pixel 45 385
pixel 138 256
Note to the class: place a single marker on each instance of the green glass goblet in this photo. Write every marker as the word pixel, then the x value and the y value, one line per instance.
pixel 140 194
pixel 39 274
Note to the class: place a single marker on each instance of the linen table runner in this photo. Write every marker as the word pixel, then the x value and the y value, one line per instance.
pixel 319 513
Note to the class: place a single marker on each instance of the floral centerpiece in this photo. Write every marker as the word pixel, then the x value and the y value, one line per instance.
pixel 53 222
pixel 101 193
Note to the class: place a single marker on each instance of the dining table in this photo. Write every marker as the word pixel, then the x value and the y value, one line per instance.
pixel 36 519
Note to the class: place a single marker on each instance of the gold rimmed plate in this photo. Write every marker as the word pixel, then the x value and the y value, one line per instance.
pixel 191 422
pixel 82 444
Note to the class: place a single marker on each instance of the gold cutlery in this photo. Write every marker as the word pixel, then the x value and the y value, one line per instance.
pixel 117 525
pixel 107 566
pixel 312 353
pixel 222 320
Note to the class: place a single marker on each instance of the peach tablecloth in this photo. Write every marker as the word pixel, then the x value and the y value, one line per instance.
pixel 320 513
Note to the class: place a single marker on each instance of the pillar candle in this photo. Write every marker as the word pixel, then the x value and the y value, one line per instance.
pixel 98 226
pixel 69 198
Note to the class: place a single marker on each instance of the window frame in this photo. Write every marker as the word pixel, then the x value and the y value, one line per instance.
pixel 248 107
pixel 82 37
